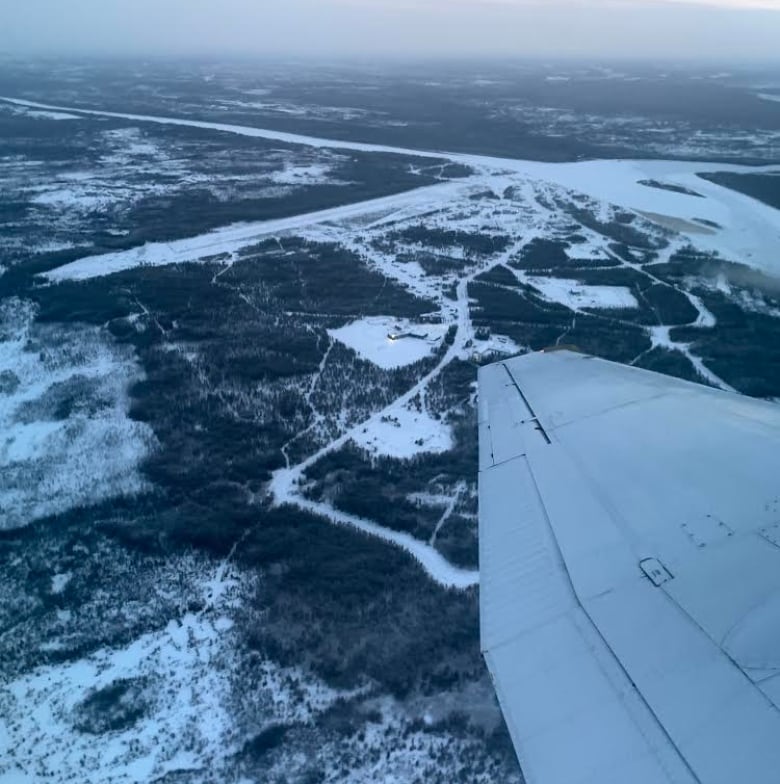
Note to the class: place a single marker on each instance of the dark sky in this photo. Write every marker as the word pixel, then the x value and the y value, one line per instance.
pixel 699 29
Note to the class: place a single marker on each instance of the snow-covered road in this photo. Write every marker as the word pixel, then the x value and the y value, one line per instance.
pixel 431 560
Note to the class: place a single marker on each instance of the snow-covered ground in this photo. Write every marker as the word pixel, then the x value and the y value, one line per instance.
pixel 65 435
pixel 390 342
pixel 749 233
pixel 313 174
pixel 495 344
pixel 232 238
pixel 404 432
pixel 112 171
pixel 60 581
pixel 185 701
pixel 79 199
pixel 576 295
pixel 38 114
pixel 384 430
pixel 42 115
pixel 173 700
pixel 180 669
pixel 523 207
pixel 750 230
pixel 186 728
pixel 522 204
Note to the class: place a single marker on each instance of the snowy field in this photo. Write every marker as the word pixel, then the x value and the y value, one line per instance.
pixel 313 174
pixel 51 115
pixel 65 435
pixel 577 295
pixel 104 180
pixel 172 695
pixel 750 230
pixel 390 342
pixel 404 432
pixel 161 666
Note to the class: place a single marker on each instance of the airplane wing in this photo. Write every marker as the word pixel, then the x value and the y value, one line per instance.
pixel 630 573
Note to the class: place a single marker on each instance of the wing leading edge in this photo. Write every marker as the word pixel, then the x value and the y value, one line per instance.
pixel 630 573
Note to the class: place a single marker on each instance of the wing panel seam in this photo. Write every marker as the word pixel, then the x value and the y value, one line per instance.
pixel 534 417
pixel 617 660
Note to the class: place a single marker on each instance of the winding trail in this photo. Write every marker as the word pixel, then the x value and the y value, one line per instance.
pixel 448 511
pixel 660 335
pixel 431 560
